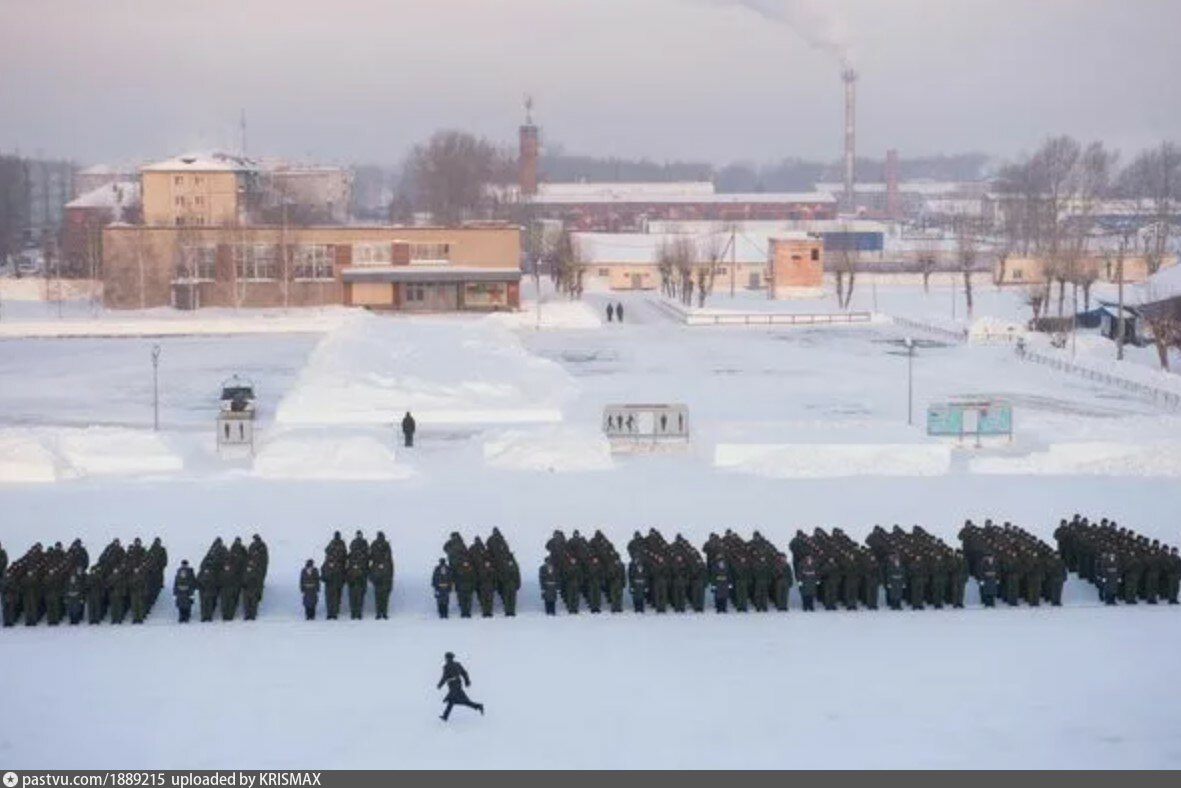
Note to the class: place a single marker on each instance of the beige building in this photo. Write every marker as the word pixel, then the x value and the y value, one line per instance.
pixel 630 261
pixel 381 267
pixel 1032 270
pixel 207 190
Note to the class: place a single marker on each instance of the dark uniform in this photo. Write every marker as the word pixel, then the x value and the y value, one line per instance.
pixel 184 585
pixel 637 581
pixel 547 579
pixel 309 589
pixel 356 573
pixel 441 583
pixel 75 594
pixel 381 574
pixel 456 679
pixel 332 575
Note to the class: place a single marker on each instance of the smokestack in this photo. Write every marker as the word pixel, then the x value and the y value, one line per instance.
pixel 893 203
pixel 849 76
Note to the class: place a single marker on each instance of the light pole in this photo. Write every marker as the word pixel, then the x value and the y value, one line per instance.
pixel 156 388
pixel 909 381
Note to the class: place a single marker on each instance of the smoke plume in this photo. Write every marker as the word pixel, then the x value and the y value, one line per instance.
pixel 813 21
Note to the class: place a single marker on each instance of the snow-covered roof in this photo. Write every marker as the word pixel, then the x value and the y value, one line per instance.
pixel 677 192
pixel 1161 286
pixel 108 169
pixel 764 227
pixel 925 188
pixel 203 162
pixel 120 194
pixel 644 248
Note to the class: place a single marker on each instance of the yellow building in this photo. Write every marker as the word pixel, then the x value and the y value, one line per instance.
pixel 1032 270
pixel 205 190
pixel 631 261
pixel 382 267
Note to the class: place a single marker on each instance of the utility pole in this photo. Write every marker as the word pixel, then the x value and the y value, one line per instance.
pixel 733 258
pixel 1119 325
pixel 909 381
pixel 156 388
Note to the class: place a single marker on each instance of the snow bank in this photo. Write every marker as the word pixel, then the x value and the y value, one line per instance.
pixel 53 453
pixel 993 329
pixel 373 369
pixel 101 450
pixel 25 458
pixel 44 323
pixel 556 314
pixel 557 448
pixel 828 460
pixel 301 455
pixel 1162 458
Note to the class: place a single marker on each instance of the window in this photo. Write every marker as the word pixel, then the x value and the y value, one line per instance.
pixel 604 272
pixel 415 292
pixel 197 180
pixel 372 254
pixel 198 262
pixel 815 254
pixel 198 200
pixel 1017 276
pixel 721 271
pixel 430 253
pixel 179 202
pixel 256 261
pixel 485 294
pixel 178 180
pixel 313 261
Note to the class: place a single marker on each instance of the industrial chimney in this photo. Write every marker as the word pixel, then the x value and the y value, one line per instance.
pixel 849 76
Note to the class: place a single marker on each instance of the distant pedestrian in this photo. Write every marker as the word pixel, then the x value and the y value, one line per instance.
pixel 619 312
pixel 408 427
pixel 610 312
pixel 456 678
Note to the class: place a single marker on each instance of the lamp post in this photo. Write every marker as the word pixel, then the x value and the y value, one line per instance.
pixel 909 381
pixel 156 388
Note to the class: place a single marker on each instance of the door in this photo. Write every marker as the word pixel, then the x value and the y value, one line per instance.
pixel 637 282
pixel 755 281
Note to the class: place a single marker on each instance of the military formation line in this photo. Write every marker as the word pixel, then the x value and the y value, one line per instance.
pixel 905 568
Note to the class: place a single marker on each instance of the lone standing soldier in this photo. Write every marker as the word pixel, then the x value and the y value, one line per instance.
pixel 381 574
pixel 456 678
pixel 408 427
pixel 637 580
pixel 547 578
pixel 309 587
pixel 441 582
pixel 183 587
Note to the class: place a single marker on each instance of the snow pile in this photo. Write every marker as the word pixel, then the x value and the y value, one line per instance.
pixel 50 454
pixel 98 451
pixel 24 458
pixel 305 455
pixel 1162 458
pixel 820 460
pixel 992 329
pixel 373 369
pixel 558 448
pixel 554 314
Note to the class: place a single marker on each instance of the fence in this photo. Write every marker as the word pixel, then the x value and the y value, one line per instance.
pixel 690 318
pixel 1159 396
pixel 959 335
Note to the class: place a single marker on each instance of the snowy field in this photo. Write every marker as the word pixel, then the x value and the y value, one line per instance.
pixel 793 428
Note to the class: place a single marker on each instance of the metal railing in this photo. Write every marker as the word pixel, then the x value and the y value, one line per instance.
pixel 960 335
pixel 690 318
pixel 1159 396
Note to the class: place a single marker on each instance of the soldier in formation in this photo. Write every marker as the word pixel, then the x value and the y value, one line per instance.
pixel 1121 564
pixel 918 568
pixel 229 575
pixel 754 574
pixel 1013 564
pixel 485 570
pixel 59 584
pixel 354 567
pixel 582 569
pixel 835 569
pixel 663 574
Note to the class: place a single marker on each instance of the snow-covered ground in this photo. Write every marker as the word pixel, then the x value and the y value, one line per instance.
pixel 793 428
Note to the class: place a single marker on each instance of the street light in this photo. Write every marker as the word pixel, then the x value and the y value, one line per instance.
pixel 156 388
pixel 909 381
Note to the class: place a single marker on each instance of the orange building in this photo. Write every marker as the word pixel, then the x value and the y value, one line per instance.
pixel 796 265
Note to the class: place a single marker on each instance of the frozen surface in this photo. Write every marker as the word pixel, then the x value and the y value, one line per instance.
pixel 1080 686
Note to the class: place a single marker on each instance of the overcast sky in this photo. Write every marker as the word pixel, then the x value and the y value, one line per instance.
pixel 714 80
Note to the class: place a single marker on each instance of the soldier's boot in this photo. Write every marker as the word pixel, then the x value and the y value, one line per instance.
pixel 550 607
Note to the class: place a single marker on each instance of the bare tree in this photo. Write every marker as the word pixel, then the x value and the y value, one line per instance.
pixel 926 259
pixel 846 258
pixel 449 173
pixel 966 251
pixel 1153 181
pixel 714 249
pixel 568 266
pixel 1035 297
pixel 1166 333
pixel 676 256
